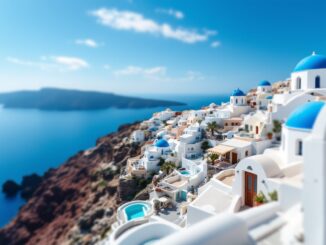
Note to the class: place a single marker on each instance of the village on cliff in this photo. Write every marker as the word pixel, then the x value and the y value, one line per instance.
pixel 250 171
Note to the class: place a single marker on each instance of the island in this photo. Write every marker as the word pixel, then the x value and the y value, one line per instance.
pixel 65 100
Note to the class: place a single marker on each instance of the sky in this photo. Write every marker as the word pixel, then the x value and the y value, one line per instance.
pixel 156 46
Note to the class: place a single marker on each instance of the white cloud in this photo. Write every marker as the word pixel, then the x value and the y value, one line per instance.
pixel 194 76
pixel 136 70
pixel 71 63
pixel 59 63
pixel 133 21
pixel 172 12
pixel 87 42
pixel 158 74
pixel 215 44
pixel 37 64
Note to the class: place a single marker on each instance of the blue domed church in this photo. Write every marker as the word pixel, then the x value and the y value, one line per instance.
pixel 238 98
pixel 309 73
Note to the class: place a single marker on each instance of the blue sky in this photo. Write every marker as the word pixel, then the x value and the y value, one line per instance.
pixel 155 46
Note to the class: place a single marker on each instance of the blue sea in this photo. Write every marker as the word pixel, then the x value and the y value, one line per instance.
pixel 32 141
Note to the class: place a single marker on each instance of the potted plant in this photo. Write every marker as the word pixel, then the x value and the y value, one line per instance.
pixel 270 135
pixel 277 129
pixel 259 199
pixel 273 195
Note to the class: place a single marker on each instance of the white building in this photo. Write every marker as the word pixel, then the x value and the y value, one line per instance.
pixel 189 145
pixel 236 107
pixel 308 83
pixel 263 95
pixel 152 155
pixel 138 136
pixel 165 115
pixel 309 73
pixel 278 222
pixel 258 124
pixel 264 87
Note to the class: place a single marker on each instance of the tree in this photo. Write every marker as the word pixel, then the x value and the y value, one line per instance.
pixel 168 167
pixel 212 127
pixel 213 157
pixel 161 161
pixel 205 145
pixel 277 126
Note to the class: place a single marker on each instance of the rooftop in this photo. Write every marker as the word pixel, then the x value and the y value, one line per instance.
pixel 314 61
pixel 304 117
pixel 238 92
pixel 264 83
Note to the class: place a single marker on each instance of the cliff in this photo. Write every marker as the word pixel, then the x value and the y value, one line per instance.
pixel 63 99
pixel 76 203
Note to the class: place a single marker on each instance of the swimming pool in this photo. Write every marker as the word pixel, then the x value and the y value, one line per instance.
pixel 184 172
pixel 136 210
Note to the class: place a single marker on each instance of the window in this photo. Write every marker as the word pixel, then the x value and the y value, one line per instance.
pixel 317 82
pixel 299 148
pixel 247 153
pixel 236 101
pixel 226 124
pixel 247 127
pixel 298 82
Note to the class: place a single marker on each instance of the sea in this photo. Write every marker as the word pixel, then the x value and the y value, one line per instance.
pixel 32 141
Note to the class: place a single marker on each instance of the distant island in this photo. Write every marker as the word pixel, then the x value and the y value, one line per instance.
pixel 62 99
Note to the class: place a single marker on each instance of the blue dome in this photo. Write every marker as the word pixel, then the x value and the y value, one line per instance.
pixel 270 97
pixel 161 143
pixel 304 117
pixel 237 92
pixel 264 83
pixel 314 61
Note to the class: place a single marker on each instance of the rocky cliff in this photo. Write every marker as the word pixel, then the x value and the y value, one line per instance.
pixel 76 203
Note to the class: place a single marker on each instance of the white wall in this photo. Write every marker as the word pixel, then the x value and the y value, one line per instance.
pixel 264 89
pixel 238 100
pixel 260 165
pixel 308 79
pixel 314 194
pixel 290 139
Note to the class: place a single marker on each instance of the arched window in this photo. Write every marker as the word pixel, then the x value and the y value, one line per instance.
pixel 298 82
pixel 299 147
pixel 317 82
pixel 236 101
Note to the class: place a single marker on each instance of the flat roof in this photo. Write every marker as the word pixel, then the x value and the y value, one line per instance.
pixel 236 143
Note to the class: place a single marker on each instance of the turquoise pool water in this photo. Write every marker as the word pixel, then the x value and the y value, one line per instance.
pixel 184 172
pixel 136 210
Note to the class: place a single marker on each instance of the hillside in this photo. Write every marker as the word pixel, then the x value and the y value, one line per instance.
pixel 76 202
pixel 60 99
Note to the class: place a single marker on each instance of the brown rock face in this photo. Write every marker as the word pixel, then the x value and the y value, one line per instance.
pixel 75 203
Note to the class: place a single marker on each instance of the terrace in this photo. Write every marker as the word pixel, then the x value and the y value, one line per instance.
pixel 226 177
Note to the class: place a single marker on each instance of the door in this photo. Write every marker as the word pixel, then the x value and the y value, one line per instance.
pixel 257 130
pixel 234 157
pixel 227 156
pixel 250 188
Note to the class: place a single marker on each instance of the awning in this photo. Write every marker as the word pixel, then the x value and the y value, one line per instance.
pixel 221 149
